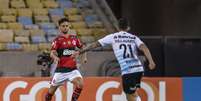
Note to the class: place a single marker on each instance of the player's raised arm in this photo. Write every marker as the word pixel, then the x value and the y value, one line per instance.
pixel 90 47
pixel 87 48
pixel 147 54
pixel 107 40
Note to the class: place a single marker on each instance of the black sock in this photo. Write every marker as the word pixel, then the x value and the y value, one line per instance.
pixel 76 94
pixel 48 97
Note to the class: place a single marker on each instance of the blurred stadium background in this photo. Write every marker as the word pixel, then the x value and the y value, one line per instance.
pixel 170 28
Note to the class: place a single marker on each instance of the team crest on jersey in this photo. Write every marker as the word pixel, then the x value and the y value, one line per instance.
pixel 69 43
pixel 64 43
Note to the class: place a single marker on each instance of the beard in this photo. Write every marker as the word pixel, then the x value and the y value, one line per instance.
pixel 65 32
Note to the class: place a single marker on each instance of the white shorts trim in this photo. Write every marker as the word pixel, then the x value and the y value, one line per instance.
pixel 60 78
pixel 133 70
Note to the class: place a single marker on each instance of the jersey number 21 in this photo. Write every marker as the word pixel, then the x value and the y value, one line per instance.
pixel 127 49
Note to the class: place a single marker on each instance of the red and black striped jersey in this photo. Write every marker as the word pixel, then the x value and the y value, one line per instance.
pixel 65 46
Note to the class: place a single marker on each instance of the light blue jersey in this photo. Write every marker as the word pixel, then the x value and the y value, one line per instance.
pixel 125 47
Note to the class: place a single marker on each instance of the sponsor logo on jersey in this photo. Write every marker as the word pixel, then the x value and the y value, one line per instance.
pixel 68 52
pixel 124 36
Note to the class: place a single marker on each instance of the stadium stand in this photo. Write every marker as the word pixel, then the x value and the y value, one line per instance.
pixel 26 23
pixel 29 26
pixel 25 20
pixel 6 36
pixel 25 12
pixel 3 26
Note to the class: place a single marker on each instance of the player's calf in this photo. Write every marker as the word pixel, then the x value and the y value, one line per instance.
pixel 76 94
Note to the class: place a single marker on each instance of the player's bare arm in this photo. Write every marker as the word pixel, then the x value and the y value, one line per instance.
pixel 147 54
pixel 53 55
pixel 90 47
pixel 87 48
pixel 83 56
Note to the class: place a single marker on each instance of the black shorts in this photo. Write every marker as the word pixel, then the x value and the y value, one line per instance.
pixel 131 82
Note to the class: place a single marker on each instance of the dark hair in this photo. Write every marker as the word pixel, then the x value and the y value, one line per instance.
pixel 62 20
pixel 123 23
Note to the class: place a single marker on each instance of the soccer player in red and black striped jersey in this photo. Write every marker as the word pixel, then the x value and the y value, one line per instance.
pixel 62 48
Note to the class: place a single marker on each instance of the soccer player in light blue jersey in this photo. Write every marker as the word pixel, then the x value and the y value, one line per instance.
pixel 125 46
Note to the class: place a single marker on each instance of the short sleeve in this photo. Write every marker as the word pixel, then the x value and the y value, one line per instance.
pixel 138 42
pixel 107 40
pixel 55 45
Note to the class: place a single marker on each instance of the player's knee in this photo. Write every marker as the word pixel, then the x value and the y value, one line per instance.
pixel 131 97
pixel 132 94
pixel 135 95
pixel 78 83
